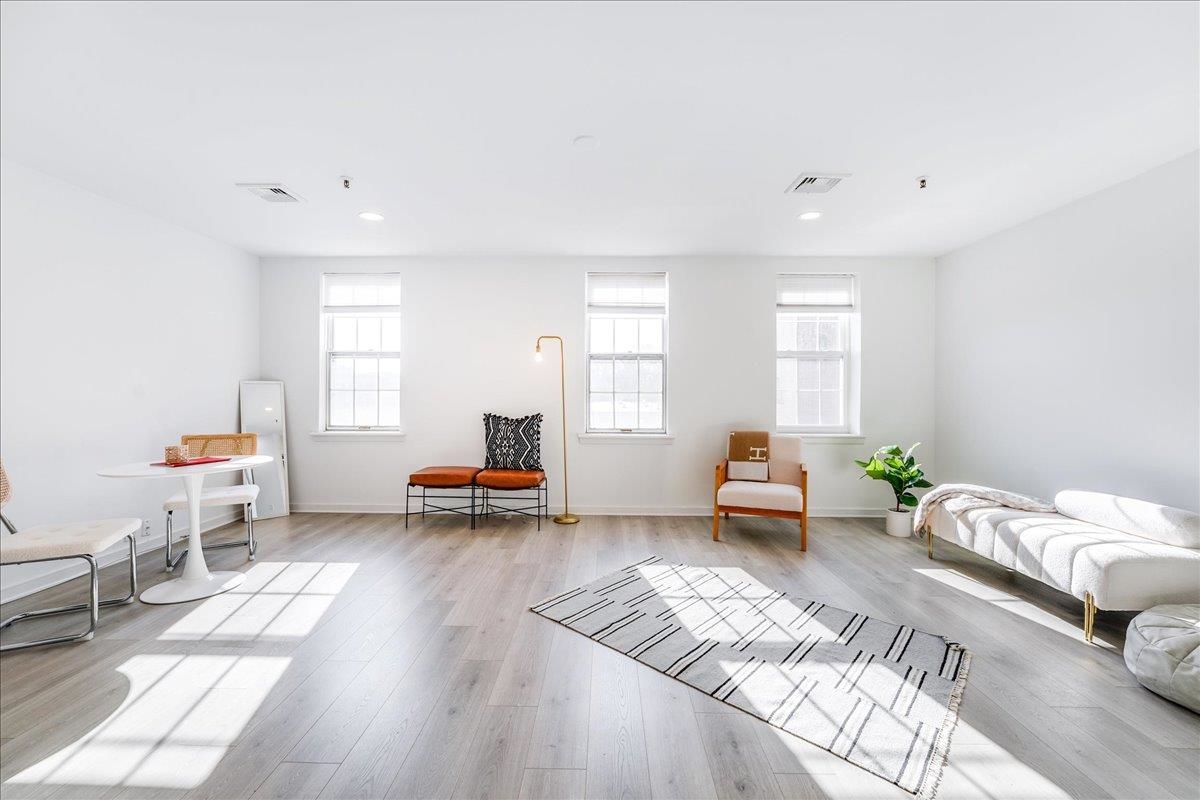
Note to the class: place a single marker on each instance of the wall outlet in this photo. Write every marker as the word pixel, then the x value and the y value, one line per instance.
pixel 146 528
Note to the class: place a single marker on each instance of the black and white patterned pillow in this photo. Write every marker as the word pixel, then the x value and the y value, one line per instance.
pixel 512 443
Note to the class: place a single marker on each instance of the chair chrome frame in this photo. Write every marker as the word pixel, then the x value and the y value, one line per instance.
pixel 92 605
pixel 249 544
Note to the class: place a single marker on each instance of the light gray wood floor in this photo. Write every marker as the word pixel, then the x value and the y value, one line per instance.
pixel 363 660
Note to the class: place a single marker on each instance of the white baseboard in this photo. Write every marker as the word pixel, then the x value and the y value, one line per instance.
pixel 596 511
pixel 350 508
pixel 14 590
pixel 847 512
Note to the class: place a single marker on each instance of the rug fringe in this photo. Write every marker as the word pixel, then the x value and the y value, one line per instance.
pixel 941 747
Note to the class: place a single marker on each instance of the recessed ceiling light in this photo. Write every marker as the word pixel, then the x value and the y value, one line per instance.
pixel 585 142
pixel 370 216
pixel 809 215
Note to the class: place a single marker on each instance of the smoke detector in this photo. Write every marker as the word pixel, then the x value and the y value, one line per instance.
pixel 816 182
pixel 271 192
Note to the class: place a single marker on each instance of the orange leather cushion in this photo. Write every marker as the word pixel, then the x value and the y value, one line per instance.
pixel 443 477
pixel 510 478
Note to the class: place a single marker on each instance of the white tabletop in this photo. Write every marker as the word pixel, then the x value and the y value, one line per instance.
pixel 145 469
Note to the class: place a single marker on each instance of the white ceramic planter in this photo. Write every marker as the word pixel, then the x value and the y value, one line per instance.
pixel 899 523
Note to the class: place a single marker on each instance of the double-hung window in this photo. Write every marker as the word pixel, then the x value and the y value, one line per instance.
pixel 626 352
pixel 360 352
pixel 815 366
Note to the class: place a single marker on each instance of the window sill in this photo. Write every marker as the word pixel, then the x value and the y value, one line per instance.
pixel 827 438
pixel 358 436
pixel 626 438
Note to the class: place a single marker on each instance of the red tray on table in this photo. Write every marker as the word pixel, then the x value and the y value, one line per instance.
pixel 191 462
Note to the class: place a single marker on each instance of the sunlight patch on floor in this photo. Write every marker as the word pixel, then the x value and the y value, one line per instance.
pixel 180 716
pixel 976 763
pixel 1010 603
pixel 702 617
pixel 279 600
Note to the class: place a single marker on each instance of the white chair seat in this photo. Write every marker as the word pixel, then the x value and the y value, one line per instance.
pixel 758 494
pixel 64 540
pixel 219 496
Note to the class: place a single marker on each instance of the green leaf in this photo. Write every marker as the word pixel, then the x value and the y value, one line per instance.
pixel 922 484
pixel 908 499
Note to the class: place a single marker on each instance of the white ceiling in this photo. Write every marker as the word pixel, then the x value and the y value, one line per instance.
pixel 456 119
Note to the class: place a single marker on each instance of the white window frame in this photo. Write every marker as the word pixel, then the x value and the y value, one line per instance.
pixel 848 356
pixel 623 311
pixel 330 313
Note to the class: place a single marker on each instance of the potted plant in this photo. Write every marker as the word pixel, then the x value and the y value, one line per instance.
pixel 902 472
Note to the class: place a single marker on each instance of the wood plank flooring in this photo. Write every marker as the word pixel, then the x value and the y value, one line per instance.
pixel 361 660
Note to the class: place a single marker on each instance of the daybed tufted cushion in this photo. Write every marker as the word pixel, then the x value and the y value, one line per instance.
pixel 1162 650
pixel 1123 572
pixel 63 540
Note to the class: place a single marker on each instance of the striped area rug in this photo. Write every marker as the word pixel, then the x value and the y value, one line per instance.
pixel 882 696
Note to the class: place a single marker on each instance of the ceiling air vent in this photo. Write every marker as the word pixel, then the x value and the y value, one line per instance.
pixel 271 192
pixel 816 182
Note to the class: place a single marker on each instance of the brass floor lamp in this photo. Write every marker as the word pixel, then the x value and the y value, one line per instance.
pixel 565 518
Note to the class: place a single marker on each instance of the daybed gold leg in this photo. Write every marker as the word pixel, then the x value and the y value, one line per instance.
pixel 1089 616
pixel 929 542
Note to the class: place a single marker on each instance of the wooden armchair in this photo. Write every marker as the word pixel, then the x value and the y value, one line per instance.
pixel 784 494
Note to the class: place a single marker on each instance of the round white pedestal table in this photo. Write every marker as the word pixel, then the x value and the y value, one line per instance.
pixel 196 582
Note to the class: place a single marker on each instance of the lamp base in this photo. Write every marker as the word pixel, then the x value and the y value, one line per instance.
pixel 566 519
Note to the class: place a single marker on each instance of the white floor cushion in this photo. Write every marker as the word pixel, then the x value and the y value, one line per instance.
pixel 755 494
pixel 220 496
pixel 65 539
pixel 1162 650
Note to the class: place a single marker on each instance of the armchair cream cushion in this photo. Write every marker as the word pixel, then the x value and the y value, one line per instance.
pixel 769 496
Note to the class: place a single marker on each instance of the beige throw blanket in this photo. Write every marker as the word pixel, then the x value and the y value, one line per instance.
pixel 962 497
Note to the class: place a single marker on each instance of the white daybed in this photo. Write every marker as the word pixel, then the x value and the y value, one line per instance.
pixel 1113 553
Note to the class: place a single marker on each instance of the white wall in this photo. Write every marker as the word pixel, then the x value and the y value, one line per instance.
pixel 118 332
pixel 469 327
pixel 1068 347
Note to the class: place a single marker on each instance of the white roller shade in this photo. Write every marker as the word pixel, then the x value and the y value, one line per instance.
pixel 627 292
pixel 358 292
pixel 811 292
